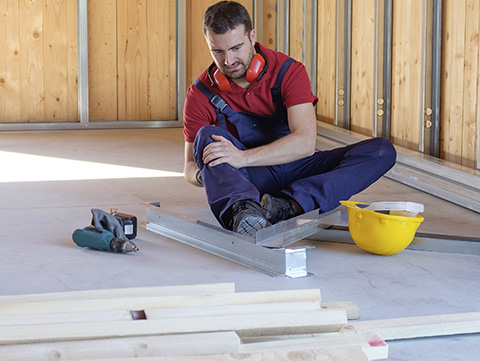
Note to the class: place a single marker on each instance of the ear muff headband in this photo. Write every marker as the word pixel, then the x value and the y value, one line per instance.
pixel 257 68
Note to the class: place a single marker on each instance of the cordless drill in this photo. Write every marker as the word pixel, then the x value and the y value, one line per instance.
pixel 108 232
pixel 103 240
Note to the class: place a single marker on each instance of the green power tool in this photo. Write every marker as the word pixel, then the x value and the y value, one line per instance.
pixel 107 233
pixel 102 240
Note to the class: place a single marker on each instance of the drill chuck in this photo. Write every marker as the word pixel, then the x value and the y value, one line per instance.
pixel 102 240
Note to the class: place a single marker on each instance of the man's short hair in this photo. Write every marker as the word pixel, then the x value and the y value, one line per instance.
pixel 224 16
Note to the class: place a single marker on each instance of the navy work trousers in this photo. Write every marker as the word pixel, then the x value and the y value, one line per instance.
pixel 319 181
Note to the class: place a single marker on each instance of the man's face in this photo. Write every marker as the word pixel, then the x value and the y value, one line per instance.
pixel 232 51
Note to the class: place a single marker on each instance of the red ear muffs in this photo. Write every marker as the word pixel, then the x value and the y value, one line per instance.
pixel 255 70
pixel 258 66
pixel 221 81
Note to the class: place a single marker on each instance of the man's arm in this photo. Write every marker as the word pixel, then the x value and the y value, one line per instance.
pixel 299 144
pixel 190 168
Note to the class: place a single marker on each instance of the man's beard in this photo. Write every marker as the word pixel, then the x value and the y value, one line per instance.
pixel 239 73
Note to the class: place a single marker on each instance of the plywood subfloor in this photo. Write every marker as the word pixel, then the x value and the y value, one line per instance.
pixel 38 218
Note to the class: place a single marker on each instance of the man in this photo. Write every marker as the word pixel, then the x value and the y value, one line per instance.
pixel 250 133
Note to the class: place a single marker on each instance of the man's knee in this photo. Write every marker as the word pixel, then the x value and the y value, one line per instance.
pixel 386 150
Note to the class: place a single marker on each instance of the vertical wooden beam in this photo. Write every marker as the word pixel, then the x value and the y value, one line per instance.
pixel 10 105
pixel 32 61
pixel 326 60
pixel 407 73
pixel 362 69
pixel 72 61
pixel 55 66
pixel 270 23
pixel 453 80
pixel 470 91
pixel 161 44
pixel 102 60
pixel 296 26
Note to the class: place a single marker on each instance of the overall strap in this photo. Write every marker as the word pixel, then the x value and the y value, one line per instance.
pixel 276 92
pixel 221 107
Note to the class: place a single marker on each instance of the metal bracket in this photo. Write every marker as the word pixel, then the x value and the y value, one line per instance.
pixel 266 253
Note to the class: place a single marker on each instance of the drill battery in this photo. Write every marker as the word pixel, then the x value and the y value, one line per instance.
pixel 128 222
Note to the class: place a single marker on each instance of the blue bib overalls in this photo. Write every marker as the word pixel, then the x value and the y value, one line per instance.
pixel 319 181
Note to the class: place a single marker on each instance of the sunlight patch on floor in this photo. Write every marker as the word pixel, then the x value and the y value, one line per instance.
pixel 19 167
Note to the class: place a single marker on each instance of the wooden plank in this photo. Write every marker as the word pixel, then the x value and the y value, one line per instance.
pixel 102 59
pixel 423 326
pixel 67 317
pixel 161 59
pixel 362 67
pixel 127 347
pixel 269 24
pixel 229 310
pixel 121 48
pixel 471 85
pixel 32 61
pixel 72 62
pixel 406 73
pixel 129 292
pixel 326 60
pixel 353 353
pixel 352 310
pixel 141 303
pixel 135 54
pixel 373 346
pixel 453 57
pixel 244 325
pixel 10 62
pixel 55 66
pixel 296 25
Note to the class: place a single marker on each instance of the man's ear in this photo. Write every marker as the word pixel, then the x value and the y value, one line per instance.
pixel 253 36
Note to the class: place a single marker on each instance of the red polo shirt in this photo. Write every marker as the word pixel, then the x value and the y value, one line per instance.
pixel 256 99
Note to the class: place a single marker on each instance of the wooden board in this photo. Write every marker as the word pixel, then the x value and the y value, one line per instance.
pixel 406 74
pixel 326 60
pixel 120 348
pixel 362 92
pixel 352 353
pixel 142 303
pixel 424 326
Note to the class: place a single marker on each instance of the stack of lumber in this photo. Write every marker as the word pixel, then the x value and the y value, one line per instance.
pixel 199 322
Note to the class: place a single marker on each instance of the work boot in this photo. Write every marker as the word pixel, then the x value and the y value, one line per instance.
pixel 248 218
pixel 277 209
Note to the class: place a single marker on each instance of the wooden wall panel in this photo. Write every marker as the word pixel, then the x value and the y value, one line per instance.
pixel 362 67
pixel 162 45
pixel 39 67
pixel 55 53
pixel 296 37
pixel 459 98
pixel 406 73
pixel 102 60
pixel 132 60
pixel 32 61
pixel 270 24
pixel 326 60
pixel 72 63
pixel 471 85
pixel 10 62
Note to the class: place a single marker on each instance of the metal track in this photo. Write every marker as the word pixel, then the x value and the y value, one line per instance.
pixel 228 245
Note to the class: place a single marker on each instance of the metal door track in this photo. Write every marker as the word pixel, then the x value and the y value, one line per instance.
pixel 266 253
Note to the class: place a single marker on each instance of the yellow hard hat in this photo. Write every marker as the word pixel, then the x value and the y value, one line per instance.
pixel 379 233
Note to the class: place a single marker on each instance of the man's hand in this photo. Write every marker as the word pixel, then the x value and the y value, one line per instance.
pixel 223 151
